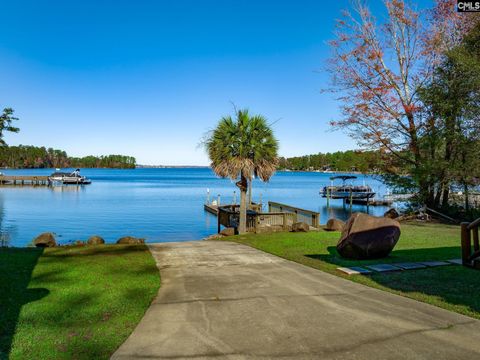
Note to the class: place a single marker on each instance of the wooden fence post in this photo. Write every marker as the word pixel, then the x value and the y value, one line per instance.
pixel 476 245
pixel 466 243
pixel 219 214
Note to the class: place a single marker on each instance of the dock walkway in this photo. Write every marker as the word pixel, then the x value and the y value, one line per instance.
pixel 24 180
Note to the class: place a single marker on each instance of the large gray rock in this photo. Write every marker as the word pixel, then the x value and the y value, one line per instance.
pixel 334 225
pixel 300 227
pixel 130 240
pixel 95 240
pixel 45 240
pixel 368 237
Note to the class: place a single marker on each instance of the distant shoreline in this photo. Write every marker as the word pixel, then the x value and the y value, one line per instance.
pixel 196 167
pixel 331 172
pixel 171 166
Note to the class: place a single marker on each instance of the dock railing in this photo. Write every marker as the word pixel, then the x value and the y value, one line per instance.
pixel 312 218
pixel 229 216
pixel 274 221
pixel 470 257
pixel 280 217
pixel 260 222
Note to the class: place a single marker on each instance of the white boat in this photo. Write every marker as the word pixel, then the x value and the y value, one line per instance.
pixel 69 178
pixel 347 191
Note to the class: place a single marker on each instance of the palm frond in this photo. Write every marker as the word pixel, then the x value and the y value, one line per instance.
pixel 244 146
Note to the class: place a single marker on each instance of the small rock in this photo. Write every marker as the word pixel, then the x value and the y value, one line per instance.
pixel 79 243
pixel 230 231
pixel 130 240
pixel 45 240
pixel 334 225
pixel 391 214
pixel 213 237
pixel 300 227
pixel 95 240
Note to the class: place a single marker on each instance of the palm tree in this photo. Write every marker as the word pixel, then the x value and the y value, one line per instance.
pixel 6 120
pixel 241 148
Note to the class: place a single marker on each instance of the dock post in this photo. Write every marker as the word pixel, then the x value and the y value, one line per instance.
pixel 208 197
pixel 328 197
pixel 466 243
pixel 218 200
pixel 351 200
pixel 234 197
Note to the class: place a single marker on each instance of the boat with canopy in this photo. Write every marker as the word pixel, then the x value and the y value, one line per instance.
pixel 347 190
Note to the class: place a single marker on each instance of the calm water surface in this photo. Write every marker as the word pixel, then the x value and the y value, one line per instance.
pixel 157 204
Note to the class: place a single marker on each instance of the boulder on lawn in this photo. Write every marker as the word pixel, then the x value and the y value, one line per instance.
pixel 229 231
pixel 300 227
pixel 368 237
pixel 45 240
pixel 391 214
pixel 95 240
pixel 130 240
pixel 334 225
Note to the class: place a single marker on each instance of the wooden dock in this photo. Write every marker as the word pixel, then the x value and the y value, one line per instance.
pixel 260 222
pixel 25 180
pixel 212 209
pixel 372 202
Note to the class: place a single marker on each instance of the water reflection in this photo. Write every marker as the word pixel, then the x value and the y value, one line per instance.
pixel 7 231
pixel 341 212
pixel 67 188
pixel 4 239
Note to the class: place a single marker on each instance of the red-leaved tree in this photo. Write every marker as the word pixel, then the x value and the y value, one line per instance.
pixel 378 68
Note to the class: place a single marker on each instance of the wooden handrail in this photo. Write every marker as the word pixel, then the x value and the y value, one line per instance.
pixel 292 208
pixel 474 224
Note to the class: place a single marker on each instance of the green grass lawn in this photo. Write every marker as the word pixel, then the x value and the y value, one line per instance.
pixel 72 302
pixel 455 288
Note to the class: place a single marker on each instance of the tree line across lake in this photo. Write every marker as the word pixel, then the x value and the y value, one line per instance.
pixel 351 160
pixel 30 157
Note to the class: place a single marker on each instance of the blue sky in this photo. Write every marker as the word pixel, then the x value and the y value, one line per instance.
pixel 149 78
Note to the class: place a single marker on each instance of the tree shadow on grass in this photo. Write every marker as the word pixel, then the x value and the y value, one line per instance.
pixel 104 250
pixel 97 296
pixel 16 267
pixel 404 255
pixel 453 287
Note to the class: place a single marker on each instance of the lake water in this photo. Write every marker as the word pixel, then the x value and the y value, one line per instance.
pixel 156 204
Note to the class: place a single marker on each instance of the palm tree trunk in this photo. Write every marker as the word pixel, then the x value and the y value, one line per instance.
pixel 243 186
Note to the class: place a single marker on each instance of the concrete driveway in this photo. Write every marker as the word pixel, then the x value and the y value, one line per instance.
pixel 226 300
